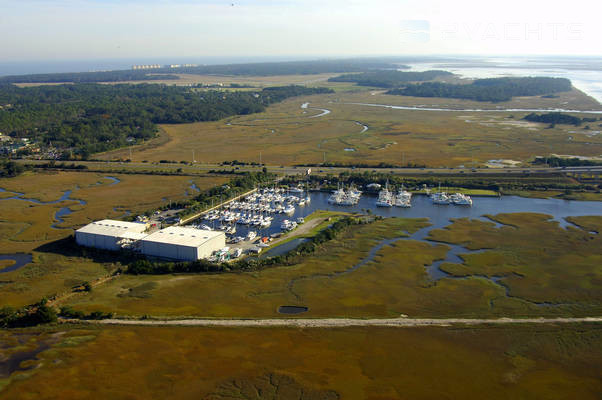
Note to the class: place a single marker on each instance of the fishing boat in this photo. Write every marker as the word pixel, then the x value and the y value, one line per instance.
pixel 385 197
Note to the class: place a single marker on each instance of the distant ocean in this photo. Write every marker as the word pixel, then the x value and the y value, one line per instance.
pixel 42 67
pixel 584 72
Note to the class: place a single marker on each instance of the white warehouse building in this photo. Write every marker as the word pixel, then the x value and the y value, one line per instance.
pixel 108 234
pixel 179 243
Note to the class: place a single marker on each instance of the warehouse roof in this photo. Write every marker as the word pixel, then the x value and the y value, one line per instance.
pixel 189 237
pixel 133 235
pixel 109 227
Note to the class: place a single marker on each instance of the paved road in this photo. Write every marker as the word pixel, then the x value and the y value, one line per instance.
pixel 290 170
pixel 339 322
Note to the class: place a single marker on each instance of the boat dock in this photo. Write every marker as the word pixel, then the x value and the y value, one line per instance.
pixel 200 214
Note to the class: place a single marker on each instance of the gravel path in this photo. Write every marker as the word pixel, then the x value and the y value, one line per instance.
pixel 339 322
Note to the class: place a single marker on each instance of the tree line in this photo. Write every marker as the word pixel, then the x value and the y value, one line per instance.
pixel 566 162
pixel 10 169
pixel 557 118
pixel 491 89
pixel 89 77
pixel 91 118
pixel 255 69
pixel 389 78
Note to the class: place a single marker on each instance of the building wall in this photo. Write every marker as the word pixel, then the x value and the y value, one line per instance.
pixel 210 246
pixel 184 253
pixel 104 242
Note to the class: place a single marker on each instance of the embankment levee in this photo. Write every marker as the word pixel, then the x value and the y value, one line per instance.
pixel 337 322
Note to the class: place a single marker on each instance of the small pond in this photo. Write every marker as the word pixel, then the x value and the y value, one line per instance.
pixel 292 309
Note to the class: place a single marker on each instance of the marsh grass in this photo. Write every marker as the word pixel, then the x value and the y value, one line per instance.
pixel 285 135
pixel 57 262
pixel 548 362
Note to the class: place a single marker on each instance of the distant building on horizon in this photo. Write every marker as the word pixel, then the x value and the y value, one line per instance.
pixel 148 66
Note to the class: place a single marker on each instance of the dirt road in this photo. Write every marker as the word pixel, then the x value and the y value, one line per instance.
pixel 340 322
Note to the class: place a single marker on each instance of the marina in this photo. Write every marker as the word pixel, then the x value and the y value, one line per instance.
pixel 269 213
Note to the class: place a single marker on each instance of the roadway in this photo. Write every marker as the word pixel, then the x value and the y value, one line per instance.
pixel 337 322
pixel 194 169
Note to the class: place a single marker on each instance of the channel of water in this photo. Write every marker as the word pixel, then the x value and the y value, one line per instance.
pixel 415 108
pixel 24 259
pixel 441 216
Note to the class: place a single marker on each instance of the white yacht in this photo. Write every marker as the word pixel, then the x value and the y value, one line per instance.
pixel 288 225
pixel 403 198
pixel 342 197
pixel 461 199
pixel 385 197
pixel 440 198
pixel 251 235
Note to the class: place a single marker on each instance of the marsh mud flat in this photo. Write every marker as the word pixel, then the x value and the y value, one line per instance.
pixel 338 322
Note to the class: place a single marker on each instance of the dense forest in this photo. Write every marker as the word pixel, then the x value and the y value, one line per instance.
pixel 90 118
pixel 389 78
pixel 492 89
pixel 557 118
pixel 91 77
pixel 256 69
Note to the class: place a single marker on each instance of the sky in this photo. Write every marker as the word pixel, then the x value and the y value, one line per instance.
pixel 102 29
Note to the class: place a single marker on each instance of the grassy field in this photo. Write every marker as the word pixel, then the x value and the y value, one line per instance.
pixel 57 265
pixel 226 80
pixel 370 363
pixel 286 134
pixel 538 261
pixel 394 282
